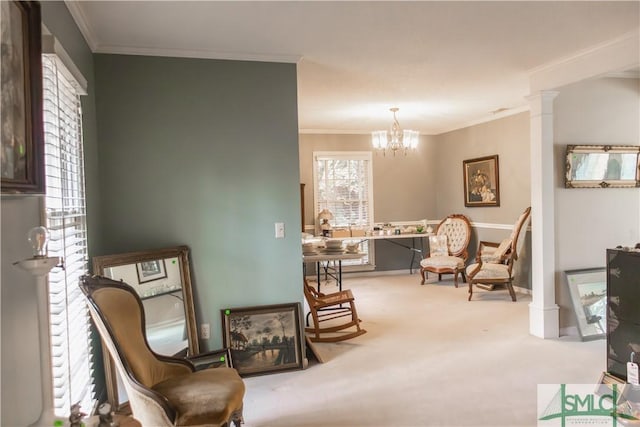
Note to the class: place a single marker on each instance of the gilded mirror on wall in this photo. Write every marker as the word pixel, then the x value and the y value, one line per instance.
pixel 162 279
pixel 602 166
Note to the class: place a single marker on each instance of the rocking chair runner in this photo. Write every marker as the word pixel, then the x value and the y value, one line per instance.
pixel 326 307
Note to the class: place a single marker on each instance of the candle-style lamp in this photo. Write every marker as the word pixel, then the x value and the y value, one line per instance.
pixel 324 216
pixel 39 264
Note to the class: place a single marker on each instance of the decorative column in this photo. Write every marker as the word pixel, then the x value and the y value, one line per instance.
pixel 544 320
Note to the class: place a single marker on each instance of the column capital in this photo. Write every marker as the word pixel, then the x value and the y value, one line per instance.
pixel 541 102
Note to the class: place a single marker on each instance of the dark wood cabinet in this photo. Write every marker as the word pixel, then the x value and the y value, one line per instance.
pixel 623 310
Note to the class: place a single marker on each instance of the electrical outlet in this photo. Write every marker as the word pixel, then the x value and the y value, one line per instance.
pixel 279 230
pixel 205 331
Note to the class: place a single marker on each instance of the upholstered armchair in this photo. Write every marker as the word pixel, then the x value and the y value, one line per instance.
pixel 494 261
pixel 162 391
pixel 448 248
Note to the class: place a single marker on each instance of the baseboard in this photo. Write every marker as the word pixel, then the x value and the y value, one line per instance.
pixel 521 290
pixel 346 274
pixel 571 331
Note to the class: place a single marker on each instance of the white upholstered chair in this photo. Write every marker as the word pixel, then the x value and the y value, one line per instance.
pixel 494 261
pixel 448 248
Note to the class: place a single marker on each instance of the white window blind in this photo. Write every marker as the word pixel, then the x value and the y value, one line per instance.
pixel 71 351
pixel 343 183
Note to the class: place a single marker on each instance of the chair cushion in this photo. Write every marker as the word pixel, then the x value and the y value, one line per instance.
pixel 451 262
pixel 206 397
pixel 489 271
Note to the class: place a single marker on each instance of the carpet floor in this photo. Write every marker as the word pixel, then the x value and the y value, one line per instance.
pixel 429 358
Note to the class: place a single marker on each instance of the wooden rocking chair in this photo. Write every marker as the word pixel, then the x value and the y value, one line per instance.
pixel 329 307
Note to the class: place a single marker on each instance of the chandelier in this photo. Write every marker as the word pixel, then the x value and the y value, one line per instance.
pixel 396 138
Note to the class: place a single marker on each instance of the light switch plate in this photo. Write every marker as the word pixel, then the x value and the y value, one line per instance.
pixel 279 230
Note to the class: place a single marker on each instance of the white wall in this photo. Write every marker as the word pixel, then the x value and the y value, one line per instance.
pixel 590 220
pixel 21 402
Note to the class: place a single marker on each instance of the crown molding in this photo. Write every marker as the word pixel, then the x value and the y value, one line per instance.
pixel 195 53
pixel 486 119
pixel 75 9
pixel 612 56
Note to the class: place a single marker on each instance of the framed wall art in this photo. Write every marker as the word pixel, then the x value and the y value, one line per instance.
pixel 212 359
pixel 602 166
pixel 481 181
pixel 264 339
pixel 22 134
pixel 588 290
pixel 149 271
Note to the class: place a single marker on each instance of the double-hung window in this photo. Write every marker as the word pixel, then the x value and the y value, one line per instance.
pixel 71 353
pixel 343 184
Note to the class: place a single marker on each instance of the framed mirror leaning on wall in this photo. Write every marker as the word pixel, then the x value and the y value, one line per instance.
pixel 162 279
pixel 602 166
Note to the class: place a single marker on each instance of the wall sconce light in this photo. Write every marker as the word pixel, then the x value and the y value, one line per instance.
pixel 39 264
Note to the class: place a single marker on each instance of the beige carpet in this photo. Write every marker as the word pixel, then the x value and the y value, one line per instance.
pixel 430 358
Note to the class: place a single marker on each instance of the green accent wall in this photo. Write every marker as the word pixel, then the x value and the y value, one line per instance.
pixel 204 153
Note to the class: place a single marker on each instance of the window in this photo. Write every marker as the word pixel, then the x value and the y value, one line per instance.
pixel 65 212
pixel 343 184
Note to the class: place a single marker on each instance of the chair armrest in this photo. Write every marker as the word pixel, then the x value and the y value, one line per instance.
pixel 335 298
pixel 485 248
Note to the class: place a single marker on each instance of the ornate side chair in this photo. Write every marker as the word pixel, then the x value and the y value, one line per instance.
pixel 448 248
pixel 494 261
pixel 163 391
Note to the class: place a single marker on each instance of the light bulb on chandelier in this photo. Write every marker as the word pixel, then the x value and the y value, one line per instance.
pixel 395 139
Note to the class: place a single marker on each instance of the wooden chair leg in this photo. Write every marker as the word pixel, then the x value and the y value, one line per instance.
pixel 455 277
pixel 512 292
pixel 464 277
pixel 470 290
pixel 422 273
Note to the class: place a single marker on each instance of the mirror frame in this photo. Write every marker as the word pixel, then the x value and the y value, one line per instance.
pixel 606 183
pixel 100 263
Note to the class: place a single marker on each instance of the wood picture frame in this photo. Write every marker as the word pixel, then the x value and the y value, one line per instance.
pixel 264 339
pixel 151 270
pixel 212 359
pixel 22 130
pixel 602 166
pixel 481 177
pixel 588 290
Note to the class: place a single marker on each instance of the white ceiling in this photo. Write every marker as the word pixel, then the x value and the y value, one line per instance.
pixel 444 64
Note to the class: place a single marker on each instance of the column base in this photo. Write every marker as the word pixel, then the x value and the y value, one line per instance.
pixel 544 322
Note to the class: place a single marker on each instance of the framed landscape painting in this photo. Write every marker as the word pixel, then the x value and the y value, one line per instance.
pixel 481 181
pixel 264 339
